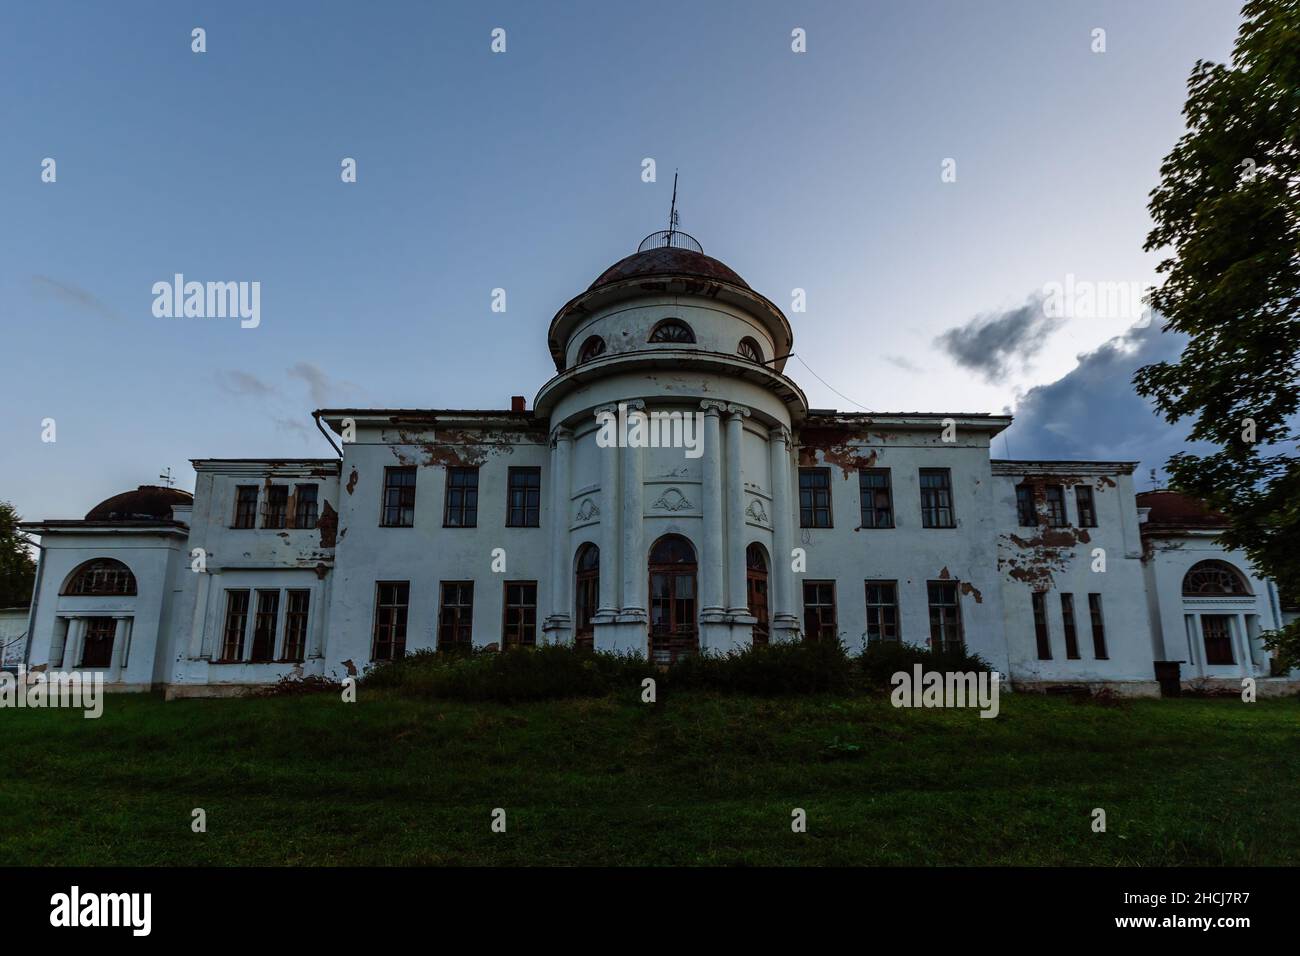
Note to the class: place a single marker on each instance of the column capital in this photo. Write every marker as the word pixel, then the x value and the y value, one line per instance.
pixel 610 408
pixel 779 433
pixel 741 411
pixel 561 433
pixel 712 406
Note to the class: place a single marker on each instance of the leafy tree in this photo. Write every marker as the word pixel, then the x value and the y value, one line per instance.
pixel 17 569
pixel 1228 211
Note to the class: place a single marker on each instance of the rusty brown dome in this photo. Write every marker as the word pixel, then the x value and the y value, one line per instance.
pixel 669 261
pixel 146 503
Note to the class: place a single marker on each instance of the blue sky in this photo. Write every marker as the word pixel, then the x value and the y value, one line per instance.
pixel 522 170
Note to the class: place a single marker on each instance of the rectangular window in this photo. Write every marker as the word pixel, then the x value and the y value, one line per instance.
pixel 936 498
pixel 304 509
pixel 1071 632
pixel 519 627
pixel 1098 627
pixel 268 612
pixel 246 506
pixel 877 498
pixel 1218 639
pixel 295 626
pixel 1086 506
pixel 524 498
pixel 461 509
pixel 1055 496
pixel 392 599
pixel 945 616
pixel 277 506
pixel 1040 626
pixel 456 616
pixel 882 611
pixel 232 639
pixel 97 645
pixel 814 497
pixel 1025 506
pixel 399 497
pixel 819 611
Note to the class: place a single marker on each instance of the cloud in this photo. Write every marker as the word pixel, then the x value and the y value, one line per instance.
pixel 72 294
pixel 247 384
pixel 898 361
pixel 320 386
pixel 295 427
pixel 993 343
pixel 1093 412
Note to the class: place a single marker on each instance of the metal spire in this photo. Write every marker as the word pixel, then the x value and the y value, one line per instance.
pixel 672 212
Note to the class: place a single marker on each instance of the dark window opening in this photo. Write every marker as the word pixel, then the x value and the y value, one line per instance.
pixel 1087 508
pixel 268 610
pixel 102 577
pixel 277 506
pixel 814 497
pixel 232 640
pixel 1215 578
pixel 519 627
pixel 1098 627
pixel 392 599
pixel 456 616
pixel 819 623
pixel 399 497
pixel 936 498
pixel 674 632
pixel 876 498
pixel 586 592
pixel 461 509
pixel 245 506
pixel 1217 632
pixel 756 592
pixel 593 347
pixel 1025 506
pixel 1071 632
pixel 305 504
pixel 524 498
pixel 1040 626
pixel 295 626
pixel 882 611
pixel 672 331
pixel 1055 498
pixel 97 644
pixel 750 349
pixel 945 616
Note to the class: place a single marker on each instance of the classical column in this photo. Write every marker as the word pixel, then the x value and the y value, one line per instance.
pixel 711 565
pixel 199 623
pixel 610 572
pixel 121 642
pixel 1247 664
pixel 320 618
pixel 72 646
pixel 633 537
pixel 737 599
pixel 781 590
pixel 558 623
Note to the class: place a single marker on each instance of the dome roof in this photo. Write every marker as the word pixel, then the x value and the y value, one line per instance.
pixel 146 503
pixel 1177 510
pixel 669 261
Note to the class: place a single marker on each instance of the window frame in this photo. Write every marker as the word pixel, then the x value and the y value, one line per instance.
pixel 391 617
pixel 463 492
pixel 275 517
pixel 955 605
pixel 755 350
pixel 809 513
pixel 1058 515
pixel 264 619
pixel 294 641
pixel 585 351
pixel 1042 633
pixel 525 624
pixel 227 631
pixel 527 510
pixel 874 508
pixel 880 607
pixel 1026 507
pixel 103 637
pixel 1097 618
pixel 1087 514
pixel 95 573
pixel 822 623
pixel 301 521
pixel 1069 626
pixel 399 507
pixel 245 518
pixel 464 615
pixel 671 323
pixel 937 508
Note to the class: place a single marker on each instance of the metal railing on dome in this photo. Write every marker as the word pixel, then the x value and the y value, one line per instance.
pixel 670 239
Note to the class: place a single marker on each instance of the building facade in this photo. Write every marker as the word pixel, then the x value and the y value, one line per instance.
pixel 669 492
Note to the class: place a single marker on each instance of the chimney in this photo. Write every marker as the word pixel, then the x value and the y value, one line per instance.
pixel 518 403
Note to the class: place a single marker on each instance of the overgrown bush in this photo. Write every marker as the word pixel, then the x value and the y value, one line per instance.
pixel 881 660
pixel 817 667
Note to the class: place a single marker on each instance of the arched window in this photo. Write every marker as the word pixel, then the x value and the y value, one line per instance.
pixel 673 629
pixel 756 591
pixel 750 349
pixel 673 332
pixel 591 348
pixel 102 576
pixel 1211 578
pixel 586 592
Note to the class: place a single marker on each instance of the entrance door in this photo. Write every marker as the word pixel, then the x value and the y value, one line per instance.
pixel 756 590
pixel 674 632
pixel 586 590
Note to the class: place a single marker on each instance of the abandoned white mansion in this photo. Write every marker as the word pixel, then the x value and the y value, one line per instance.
pixel 726 512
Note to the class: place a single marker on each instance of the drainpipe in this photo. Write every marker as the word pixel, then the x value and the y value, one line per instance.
pixel 337 449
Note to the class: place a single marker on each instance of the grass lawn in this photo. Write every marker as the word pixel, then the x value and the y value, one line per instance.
pixel 700 779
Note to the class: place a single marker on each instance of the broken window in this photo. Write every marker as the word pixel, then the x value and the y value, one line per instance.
pixel 1098 627
pixel 672 331
pixel 882 611
pixel 524 498
pixel 1025 506
pixel 277 506
pixel 750 349
pixel 264 621
pixel 391 600
pixel 103 576
pixel 876 498
pixel 1086 506
pixel 295 625
pixel 97 645
pixel 936 498
pixel 1054 495
pixel 1040 626
pixel 399 497
pixel 1071 633
pixel 814 497
pixel 245 506
pixel 819 611
pixel 945 616
pixel 456 616
pixel 519 627
pixel 232 636
pixel 304 509
pixel 1214 577
pixel 461 509
pixel 592 348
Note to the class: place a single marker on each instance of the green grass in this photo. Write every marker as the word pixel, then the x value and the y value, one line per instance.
pixel 700 779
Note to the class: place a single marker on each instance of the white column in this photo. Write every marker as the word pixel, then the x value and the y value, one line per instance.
pixel 781 587
pixel 198 624
pixel 610 572
pixel 121 634
pixel 558 624
pixel 737 599
pixel 72 646
pixel 633 537
pixel 318 616
pixel 711 564
pixel 1243 640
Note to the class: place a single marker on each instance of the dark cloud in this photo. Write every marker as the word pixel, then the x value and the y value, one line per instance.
pixel 994 343
pixel 1093 412
pixel 72 294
